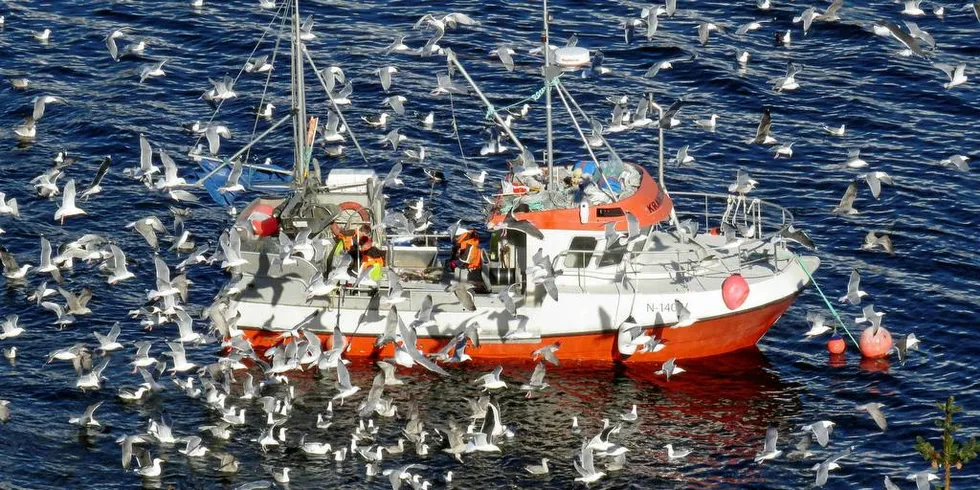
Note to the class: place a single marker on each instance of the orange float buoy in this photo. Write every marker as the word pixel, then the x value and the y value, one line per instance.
pixel 734 291
pixel 875 345
pixel 836 344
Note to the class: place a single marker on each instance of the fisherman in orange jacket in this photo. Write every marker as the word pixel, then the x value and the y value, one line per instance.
pixel 466 251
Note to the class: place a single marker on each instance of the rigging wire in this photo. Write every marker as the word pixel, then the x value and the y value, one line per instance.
pixel 268 78
pixel 241 70
pixel 319 76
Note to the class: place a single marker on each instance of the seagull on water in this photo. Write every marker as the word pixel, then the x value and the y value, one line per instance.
pixel 785 151
pixel 675 454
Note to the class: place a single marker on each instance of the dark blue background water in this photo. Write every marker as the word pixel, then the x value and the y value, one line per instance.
pixel 895 110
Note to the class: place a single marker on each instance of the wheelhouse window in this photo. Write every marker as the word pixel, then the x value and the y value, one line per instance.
pixel 580 252
pixel 612 257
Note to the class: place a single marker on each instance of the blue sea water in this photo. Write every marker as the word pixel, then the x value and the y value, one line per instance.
pixel 895 110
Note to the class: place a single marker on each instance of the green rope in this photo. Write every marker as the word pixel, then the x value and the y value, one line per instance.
pixel 825 300
pixel 491 110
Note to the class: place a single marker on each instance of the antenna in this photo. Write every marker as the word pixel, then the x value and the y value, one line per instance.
pixel 548 75
pixel 298 102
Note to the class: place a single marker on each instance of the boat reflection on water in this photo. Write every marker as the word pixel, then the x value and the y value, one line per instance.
pixel 720 408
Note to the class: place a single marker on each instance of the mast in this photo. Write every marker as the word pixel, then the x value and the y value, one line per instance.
pixel 549 157
pixel 298 102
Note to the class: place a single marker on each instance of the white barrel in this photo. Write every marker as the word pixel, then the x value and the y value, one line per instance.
pixel 574 57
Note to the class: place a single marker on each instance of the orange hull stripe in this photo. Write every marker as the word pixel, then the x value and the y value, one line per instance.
pixel 706 338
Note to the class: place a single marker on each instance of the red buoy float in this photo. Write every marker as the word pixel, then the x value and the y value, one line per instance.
pixel 875 344
pixel 836 344
pixel 734 291
pixel 263 220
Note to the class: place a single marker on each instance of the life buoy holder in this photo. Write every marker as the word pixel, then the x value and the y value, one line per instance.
pixel 335 227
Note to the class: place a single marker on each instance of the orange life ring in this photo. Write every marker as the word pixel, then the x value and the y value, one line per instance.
pixel 350 206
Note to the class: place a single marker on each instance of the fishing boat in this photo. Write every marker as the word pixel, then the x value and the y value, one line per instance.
pixel 594 258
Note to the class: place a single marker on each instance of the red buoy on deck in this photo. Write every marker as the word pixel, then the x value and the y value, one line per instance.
pixel 836 344
pixel 263 220
pixel 875 345
pixel 734 291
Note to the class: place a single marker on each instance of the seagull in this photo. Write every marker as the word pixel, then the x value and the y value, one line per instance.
pixel 232 183
pixel 807 17
pixel 96 186
pixel 769 451
pixel 854 293
pixel 876 239
pixel 536 383
pixel 41 102
pixel 821 430
pixel 912 8
pixel 477 179
pixel 846 205
pixel 823 468
pixel 708 124
pixel 306 30
pixel 869 315
pixel 258 65
pixel 874 409
pixel 630 416
pixel 910 341
pixel 87 419
pixel 214 133
pixel 910 43
pixel 541 469
pixel 344 386
pixel 585 466
pixel 491 380
pixel 834 131
pixel 10 328
pixel 108 342
pixel 675 454
pixel 704 30
pixel 956 74
pixel 669 368
pixel 393 138
pixel 785 151
pixel 788 83
pixel 110 43
pixel 854 159
pixel 922 479
pixel 397 46
pixel 682 157
pixel 505 53
pixel 874 180
pixel 153 70
pixel 397 104
pixel 958 162
pixel 179 358
pixel 43 36
pixel 68 207
pixel 818 324
pixel 750 26
pixel 763 136
pixel 26 131
pixel 547 353
pixel 743 183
